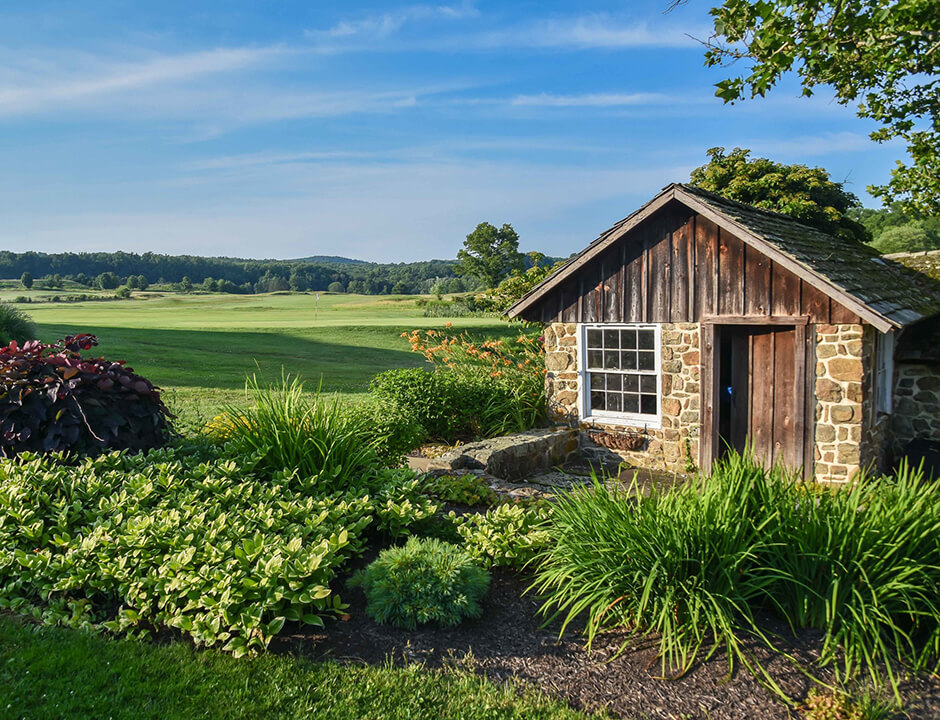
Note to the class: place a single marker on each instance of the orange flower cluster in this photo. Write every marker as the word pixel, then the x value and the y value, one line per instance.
pixel 461 352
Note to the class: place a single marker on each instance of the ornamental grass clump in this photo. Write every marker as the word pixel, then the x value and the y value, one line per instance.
pixel 424 581
pixel 676 563
pixel 286 429
pixel 694 564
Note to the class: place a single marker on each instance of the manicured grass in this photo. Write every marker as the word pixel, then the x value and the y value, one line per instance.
pixel 66 674
pixel 201 347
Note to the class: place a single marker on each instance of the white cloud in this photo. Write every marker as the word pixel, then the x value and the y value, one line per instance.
pixel 37 86
pixel 593 100
pixel 384 24
pixel 590 31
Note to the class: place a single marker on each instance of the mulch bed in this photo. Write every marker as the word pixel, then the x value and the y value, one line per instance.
pixel 509 643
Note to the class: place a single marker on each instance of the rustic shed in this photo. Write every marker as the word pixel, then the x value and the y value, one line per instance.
pixel 697 324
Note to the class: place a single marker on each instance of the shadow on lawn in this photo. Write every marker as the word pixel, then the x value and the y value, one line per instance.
pixel 222 359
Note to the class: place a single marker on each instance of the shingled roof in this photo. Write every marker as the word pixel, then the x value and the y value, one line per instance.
pixel 881 291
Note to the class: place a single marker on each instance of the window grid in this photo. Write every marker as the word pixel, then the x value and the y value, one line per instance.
pixel 622 371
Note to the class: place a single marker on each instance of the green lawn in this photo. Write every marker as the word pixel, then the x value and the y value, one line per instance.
pixel 56 674
pixel 201 347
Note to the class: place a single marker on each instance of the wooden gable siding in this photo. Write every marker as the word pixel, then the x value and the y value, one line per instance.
pixel 678 266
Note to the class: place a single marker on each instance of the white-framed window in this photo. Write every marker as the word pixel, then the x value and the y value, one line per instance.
pixel 620 375
pixel 884 371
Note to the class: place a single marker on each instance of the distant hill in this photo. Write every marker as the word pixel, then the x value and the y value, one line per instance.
pixel 330 260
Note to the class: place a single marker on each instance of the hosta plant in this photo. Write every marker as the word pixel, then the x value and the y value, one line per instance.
pixel 55 399
pixel 424 581
pixel 509 535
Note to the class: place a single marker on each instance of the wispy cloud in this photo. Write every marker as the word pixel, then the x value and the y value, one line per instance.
pixel 590 31
pixel 385 24
pixel 592 100
pixel 40 86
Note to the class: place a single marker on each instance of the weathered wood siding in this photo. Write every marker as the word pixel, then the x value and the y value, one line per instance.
pixel 678 266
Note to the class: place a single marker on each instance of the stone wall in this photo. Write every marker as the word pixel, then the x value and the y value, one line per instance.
pixel 669 447
pixel 843 374
pixel 561 371
pixel 916 403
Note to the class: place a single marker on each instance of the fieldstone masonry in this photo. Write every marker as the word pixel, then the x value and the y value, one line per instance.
pixel 669 447
pixel 916 403
pixel 842 359
pixel 850 434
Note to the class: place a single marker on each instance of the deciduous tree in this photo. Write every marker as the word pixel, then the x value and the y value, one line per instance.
pixel 804 193
pixel 490 253
pixel 881 55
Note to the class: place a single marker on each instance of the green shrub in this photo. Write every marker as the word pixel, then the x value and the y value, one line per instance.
pixel 394 431
pixel 424 581
pixel 467 489
pixel 15 324
pixel 54 399
pixel 288 430
pixel 509 535
pixel 693 564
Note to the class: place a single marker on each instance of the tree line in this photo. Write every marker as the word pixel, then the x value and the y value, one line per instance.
pixel 106 271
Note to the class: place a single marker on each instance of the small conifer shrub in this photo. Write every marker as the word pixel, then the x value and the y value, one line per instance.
pixel 424 581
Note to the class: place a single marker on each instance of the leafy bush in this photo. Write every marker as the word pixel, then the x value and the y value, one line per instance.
pixel 181 539
pixel 52 399
pixel 467 489
pixel 424 581
pixel 15 324
pixel 288 430
pixel 394 430
pixel 509 535
pixel 477 389
pixel 694 562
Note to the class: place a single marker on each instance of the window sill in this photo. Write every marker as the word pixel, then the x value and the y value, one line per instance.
pixel 623 421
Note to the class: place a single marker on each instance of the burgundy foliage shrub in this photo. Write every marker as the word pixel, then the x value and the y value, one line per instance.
pixel 52 399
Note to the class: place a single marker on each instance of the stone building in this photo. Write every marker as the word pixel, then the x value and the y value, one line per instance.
pixel 699 324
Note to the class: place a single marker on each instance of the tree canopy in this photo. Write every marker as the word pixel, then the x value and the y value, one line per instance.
pixel 894 229
pixel 490 253
pixel 804 193
pixel 883 55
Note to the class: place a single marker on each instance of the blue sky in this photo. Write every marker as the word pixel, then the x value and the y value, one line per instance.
pixel 381 131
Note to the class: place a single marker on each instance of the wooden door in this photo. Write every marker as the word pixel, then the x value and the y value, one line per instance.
pixel 760 392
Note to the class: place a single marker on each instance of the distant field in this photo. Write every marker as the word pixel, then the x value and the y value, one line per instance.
pixel 201 347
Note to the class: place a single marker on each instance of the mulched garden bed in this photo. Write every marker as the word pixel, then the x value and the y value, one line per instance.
pixel 509 643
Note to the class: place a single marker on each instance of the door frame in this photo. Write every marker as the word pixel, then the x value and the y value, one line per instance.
pixel 710 375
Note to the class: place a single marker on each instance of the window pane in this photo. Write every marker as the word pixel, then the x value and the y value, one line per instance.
pixel 629 360
pixel 612 339
pixel 645 339
pixel 614 382
pixel 648 383
pixel 631 383
pixel 613 402
pixel 594 338
pixel 631 403
pixel 648 404
pixel 595 360
pixel 611 360
pixel 597 400
pixel 646 360
pixel 628 339
pixel 597 381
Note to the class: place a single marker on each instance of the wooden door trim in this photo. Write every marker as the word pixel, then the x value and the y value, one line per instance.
pixel 798 320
